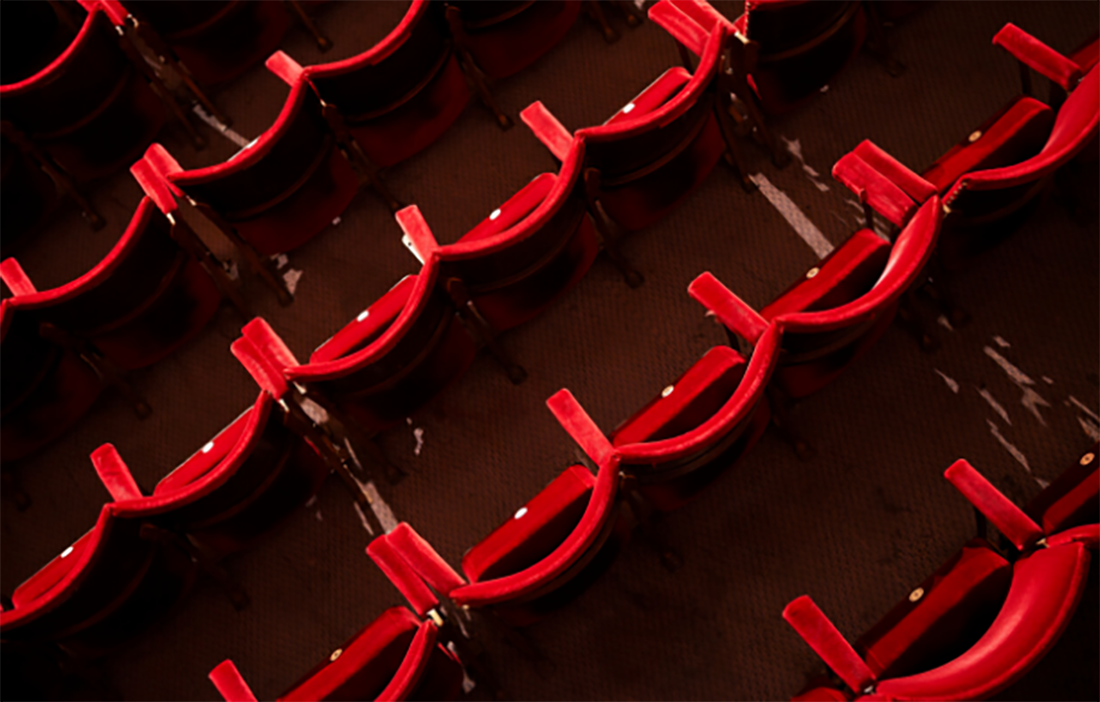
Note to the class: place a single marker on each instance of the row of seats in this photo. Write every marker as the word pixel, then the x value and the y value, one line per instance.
pixel 674 447
pixel 987 615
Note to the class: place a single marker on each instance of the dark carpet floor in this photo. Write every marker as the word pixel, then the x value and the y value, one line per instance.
pixel 856 528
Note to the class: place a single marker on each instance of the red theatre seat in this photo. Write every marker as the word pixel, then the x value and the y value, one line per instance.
pixel 279 191
pixel 1073 499
pixel 844 304
pixel 216 40
pixel 1046 587
pixel 547 553
pixel 649 155
pixel 89 107
pixel 400 95
pixel 106 587
pixel 145 299
pixel 505 37
pixel 802 45
pixel 393 358
pixel 524 255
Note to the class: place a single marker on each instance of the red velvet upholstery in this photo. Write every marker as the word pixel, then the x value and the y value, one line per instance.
pixel 654 151
pixel 1009 519
pixel 102 591
pixel 396 356
pixel 145 299
pixel 824 638
pixel 1046 587
pixel 1038 55
pixel 283 188
pixel 832 317
pixel 422 558
pixel 506 37
pixel 230 683
pixel 802 46
pixel 216 40
pixel 527 253
pixel 391 561
pixel 535 530
pixel 1072 499
pixel 958 603
pixel 400 95
pixel 1087 535
pixel 683 440
pixel 89 108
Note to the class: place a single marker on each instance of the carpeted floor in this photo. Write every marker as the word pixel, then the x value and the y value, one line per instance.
pixel 856 528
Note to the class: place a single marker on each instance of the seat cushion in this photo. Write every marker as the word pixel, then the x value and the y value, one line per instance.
pixel 848 272
pixel 205 459
pixel 50 574
pixel 654 96
pixel 514 210
pixel 688 402
pixel 368 325
pixel 535 531
pixel 1018 132
pixel 959 602
pixel 1071 500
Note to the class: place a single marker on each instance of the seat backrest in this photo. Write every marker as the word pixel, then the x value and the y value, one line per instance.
pixel 132 273
pixel 782 25
pixel 31 36
pixel 395 68
pixel 621 147
pixel 74 85
pixel 268 170
pixel 1046 587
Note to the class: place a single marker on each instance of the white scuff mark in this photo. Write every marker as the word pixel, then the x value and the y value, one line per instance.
pixel 314 411
pixel 317 514
pixel 418 434
pixel 1091 429
pixel 312 501
pixel 467 682
pixel 1031 399
pixel 222 129
pixel 1081 406
pixel 362 517
pixel 1016 453
pixel 951 382
pixel 381 509
pixel 1001 342
pixel 280 261
pixel 997 407
pixel 291 277
pixel 1048 381
pixel 409 421
pixel 944 322
pixel 794 146
pixel 231 270
pixel 1042 483
pixel 824 88
pixel 794 216
pixel 336 222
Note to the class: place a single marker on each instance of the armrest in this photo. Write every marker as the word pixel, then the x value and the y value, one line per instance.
pixel 580 426
pixel 1031 52
pixel 684 28
pixel 16 278
pixel 286 68
pixel 824 638
pixel 547 129
pixel 259 366
pixel 1009 519
pixel 230 683
pixel 402 575
pixel 155 186
pixel 418 235
pixel 423 559
pixel 730 309
pixel 882 182
pixel 260 333
pixel 112 8
pixel 1089 535
pixel 114 474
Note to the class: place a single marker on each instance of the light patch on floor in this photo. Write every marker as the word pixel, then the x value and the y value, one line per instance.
pixel 1031 399
pixel 951 382
pixel 1016 453
pixel 794 216
pixel 794 146
pixel 997 406
pixel 219 127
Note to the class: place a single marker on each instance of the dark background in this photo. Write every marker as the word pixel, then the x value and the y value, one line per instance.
pixel 856 528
